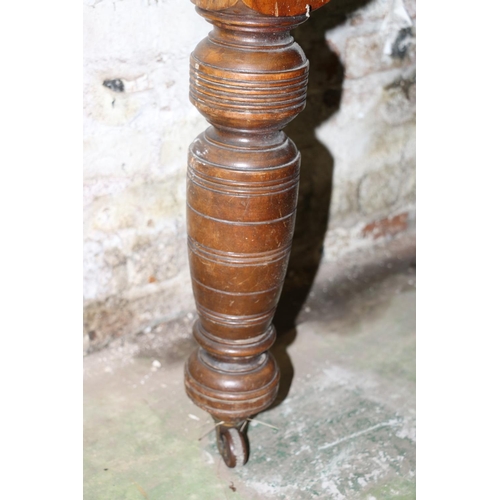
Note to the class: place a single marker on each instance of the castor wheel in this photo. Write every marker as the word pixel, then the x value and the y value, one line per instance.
pixel 232 446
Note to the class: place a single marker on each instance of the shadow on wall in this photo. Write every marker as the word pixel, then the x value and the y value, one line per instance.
pixel 326 75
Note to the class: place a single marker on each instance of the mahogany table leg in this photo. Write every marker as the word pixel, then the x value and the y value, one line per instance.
pixel 249 79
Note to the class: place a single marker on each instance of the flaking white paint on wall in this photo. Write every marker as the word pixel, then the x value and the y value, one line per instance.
pixel 137 132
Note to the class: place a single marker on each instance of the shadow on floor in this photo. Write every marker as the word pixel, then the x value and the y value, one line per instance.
pixel 326 76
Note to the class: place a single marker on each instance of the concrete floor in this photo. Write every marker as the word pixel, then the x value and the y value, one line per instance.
pixel 343 427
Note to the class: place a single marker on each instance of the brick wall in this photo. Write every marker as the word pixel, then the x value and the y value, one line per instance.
pixel 372 136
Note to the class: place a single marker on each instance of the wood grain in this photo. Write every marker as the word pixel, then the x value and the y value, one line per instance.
pixel 284 7
pixel 276 8
pixel 214 4
pixel 249 79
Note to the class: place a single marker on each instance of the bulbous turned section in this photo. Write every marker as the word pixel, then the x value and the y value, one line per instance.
pixel 249 74
pixel 232 390
pixel 241 202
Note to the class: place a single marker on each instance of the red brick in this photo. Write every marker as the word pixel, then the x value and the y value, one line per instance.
pixel 386 227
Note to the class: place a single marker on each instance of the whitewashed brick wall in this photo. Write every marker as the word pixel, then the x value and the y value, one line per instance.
pixel 138 123
pixel 372 137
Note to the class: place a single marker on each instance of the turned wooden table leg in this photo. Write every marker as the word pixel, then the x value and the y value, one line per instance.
pixel 249 79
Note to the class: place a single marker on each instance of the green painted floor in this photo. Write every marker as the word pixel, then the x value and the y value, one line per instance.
pixel 345 430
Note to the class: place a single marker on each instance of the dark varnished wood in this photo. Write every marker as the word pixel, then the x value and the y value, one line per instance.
pixel 249 79
pixel 278 8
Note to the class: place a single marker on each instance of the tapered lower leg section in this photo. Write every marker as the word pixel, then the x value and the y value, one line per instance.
pixel 248 78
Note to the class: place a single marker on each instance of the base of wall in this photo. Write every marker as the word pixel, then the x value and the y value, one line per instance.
pixel 375 250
